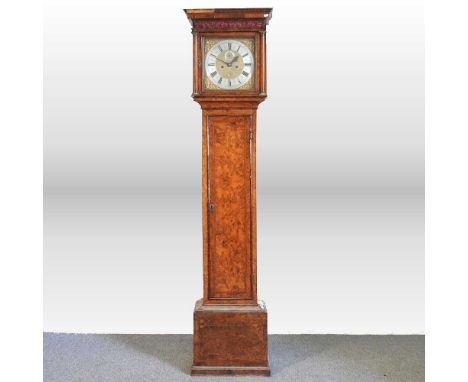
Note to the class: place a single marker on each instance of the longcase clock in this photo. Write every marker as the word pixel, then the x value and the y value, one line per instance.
pixel 229 82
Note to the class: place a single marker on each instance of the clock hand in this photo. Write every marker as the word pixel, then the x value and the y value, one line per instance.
pixel 235 58
pixel 229 64
pixel 222 60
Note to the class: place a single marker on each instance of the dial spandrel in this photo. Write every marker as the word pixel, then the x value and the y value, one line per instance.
pixel 229 64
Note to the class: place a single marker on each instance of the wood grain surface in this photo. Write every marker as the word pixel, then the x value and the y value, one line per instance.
pixel 230 263
pixel 230 327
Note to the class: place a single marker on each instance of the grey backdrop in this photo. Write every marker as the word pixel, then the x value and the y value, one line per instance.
pixel 340 167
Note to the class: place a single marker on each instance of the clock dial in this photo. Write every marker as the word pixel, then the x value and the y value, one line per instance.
pixel 229 64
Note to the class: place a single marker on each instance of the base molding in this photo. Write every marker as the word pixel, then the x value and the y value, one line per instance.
pixel 231 370
pixel 230 340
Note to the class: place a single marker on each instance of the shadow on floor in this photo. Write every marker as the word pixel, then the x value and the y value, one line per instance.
pixel 176 350
pixel 318 358
pixel 285 352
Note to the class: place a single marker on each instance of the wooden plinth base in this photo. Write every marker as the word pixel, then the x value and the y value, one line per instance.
pixel 230 340
pixel 231 370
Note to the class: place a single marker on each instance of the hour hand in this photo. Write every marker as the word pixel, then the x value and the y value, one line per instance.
pixel 229 64
pixel 234 60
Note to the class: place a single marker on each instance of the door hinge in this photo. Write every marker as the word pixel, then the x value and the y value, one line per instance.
pixel 251 134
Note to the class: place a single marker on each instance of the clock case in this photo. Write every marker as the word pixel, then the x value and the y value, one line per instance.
pixel 230 326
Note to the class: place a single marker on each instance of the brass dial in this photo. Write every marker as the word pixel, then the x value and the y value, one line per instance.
pixel 229 64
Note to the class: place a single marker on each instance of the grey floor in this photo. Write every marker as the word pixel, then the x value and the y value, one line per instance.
pixel 125 357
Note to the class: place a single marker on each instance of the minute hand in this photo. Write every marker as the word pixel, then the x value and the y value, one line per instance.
pixel 222 61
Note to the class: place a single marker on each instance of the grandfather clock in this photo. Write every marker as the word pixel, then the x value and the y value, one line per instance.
pixel 229 82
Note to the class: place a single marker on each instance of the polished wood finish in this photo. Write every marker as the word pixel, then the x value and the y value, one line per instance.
pixel 229 212
pixel 230 327
pixel 234 19
pixel 230 340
